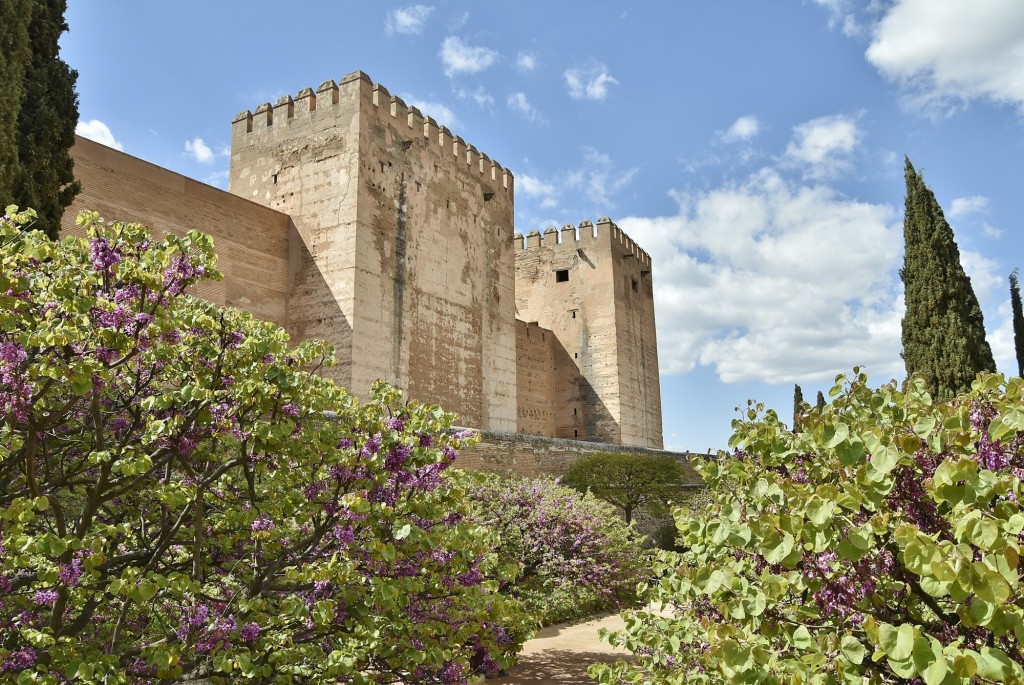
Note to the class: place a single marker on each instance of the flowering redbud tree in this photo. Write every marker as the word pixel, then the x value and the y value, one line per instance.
pixel 180 497
pixel 574 556
pixel 880 544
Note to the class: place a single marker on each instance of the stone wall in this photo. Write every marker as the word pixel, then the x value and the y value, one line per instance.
pixel 405 233
pixel 536 403
pixel 251 241
pixel 534 456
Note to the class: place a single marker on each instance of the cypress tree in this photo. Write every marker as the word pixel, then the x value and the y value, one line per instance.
pixel 1018 322
pixel 46 121
pixel 798 407
pixel 943 328
pixel 820 404
pixel 14 55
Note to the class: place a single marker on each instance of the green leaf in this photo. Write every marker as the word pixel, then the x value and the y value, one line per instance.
pixel 852 649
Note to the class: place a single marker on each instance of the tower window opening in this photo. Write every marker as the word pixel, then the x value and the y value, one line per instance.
pixel 561 276
pixel 634 285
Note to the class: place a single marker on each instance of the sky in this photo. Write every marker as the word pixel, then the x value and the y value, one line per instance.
pixel 754 149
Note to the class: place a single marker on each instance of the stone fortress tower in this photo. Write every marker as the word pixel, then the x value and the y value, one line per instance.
pixel 405 262
pixel 354 218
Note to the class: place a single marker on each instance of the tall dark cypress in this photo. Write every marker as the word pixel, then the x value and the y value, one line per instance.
pixel 46 121
pixel 798 407
pixel 1018 322
pixel 14 56
pixel 820 403
pixel 943 328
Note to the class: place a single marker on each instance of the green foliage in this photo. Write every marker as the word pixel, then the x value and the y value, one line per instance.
pixel 798 407
pixel 881 544
pixel 943 328
pixel 1018 322
pixel 47 118
pixel 181 495
pixel 14 55
pixel 631 481
pixel 572 555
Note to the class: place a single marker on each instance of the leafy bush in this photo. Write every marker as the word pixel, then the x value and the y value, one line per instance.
pixel 178 497
pixel 631 481
pixel 573 554
pixel 881 543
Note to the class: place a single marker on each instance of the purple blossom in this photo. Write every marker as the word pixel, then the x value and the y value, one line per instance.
pixel 250 631
pixel 19 660
pixel 290 409
pixel 394 423
pixel 261 524
pixel 71 573
pixel 103 255
pixel 46 597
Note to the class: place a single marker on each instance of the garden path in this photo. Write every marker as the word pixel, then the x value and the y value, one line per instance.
pixel 560 654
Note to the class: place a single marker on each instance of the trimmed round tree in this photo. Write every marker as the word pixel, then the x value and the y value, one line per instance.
pixel 631 482
pixel 881 543
pixel 181 497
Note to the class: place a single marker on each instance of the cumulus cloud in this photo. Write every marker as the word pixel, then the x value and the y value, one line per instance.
pixel 744 128
pixel 460 58
pixel 518 102
pixel 534 187
pixel 822 146
pixel 96 130
pixel 525 61
pixel 775 280
pixel 950 49
pixel 407 19
pixel 961 206
pixel 199 151
pixel 590 83
pixel 440 112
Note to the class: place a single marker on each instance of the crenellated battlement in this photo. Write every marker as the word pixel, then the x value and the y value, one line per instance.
pixel 408 119
pixel 569 237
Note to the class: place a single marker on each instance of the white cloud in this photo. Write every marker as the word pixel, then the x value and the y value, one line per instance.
pixel 588 189
pixel 589 83
pixel 744 128
pixel 458 22
pixel 459 58
pixel 534 187
pixel 822 146
pixel 96 130
pixel 962 206
pixel 526 61
pixel 775 280
pixel 199 151
pixel 518 102
pixel 951 49
pixel 599 179
pixel 480 96
pixel 407 19
pixel 440 112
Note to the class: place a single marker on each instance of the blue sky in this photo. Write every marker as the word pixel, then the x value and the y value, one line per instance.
pixel 754 149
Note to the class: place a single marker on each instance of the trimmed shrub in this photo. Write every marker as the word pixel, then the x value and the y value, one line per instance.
pixel 631 482
pixel 573 556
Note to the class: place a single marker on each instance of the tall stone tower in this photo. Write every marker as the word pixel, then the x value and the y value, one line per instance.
pixel 405 258
pixel 593 292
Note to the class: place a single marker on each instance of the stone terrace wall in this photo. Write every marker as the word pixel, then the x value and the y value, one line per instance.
pixel 252 241
pixel 534 456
